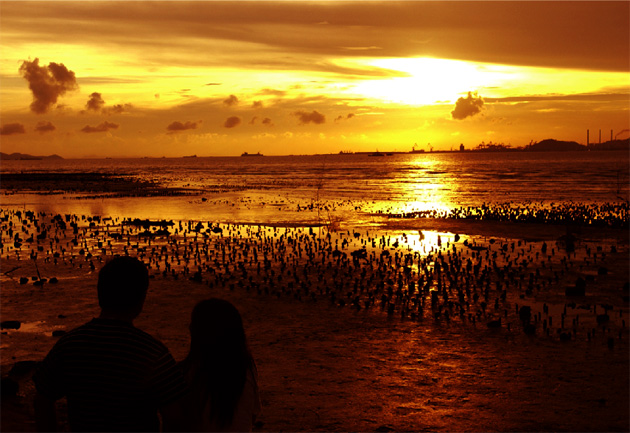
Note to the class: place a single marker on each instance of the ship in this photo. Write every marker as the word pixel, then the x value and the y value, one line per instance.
pixel 252 154
pixel 377 153
pixel 414 150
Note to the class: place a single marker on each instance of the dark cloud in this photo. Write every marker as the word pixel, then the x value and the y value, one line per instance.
pixel 340 118
pixel 43 127
pixel 552 34
pixel 102 127
pixel 179 126
pixel 273 92
pixel 95 103
pixel 231 100
pixel 231 122
pixel 117 109
pixel 47 83
pixel 257 104
pixel 12 128
pixel 466 107
pixel 213 84
pixel 312 117
pixel 266 121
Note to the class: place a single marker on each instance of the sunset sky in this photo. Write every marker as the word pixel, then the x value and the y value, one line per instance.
pixel 98 79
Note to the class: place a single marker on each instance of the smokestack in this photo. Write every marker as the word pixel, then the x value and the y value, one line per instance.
pixel 611 135
pixel 600 136
pixel 587 142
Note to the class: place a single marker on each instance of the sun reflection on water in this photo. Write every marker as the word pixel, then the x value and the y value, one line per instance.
pixel 427 187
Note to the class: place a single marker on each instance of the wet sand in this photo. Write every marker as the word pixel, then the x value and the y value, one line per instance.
pixel 345 342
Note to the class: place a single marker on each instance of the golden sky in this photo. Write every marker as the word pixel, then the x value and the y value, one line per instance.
pixel 96 79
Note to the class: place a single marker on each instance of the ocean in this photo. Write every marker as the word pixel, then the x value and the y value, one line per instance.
pixel 290 189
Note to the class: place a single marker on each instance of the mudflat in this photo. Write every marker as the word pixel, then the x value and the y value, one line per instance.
pixel 401 329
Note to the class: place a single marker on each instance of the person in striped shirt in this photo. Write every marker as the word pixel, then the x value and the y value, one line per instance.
pixel 115 376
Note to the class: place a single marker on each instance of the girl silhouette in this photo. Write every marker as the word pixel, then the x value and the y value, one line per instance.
pixel 220 371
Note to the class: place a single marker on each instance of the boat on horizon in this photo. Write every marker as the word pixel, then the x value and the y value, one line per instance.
pixel 414 150
pixel 252 154
pixel 377 153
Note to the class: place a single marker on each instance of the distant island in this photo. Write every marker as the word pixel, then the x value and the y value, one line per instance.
pixel 552 145
pixel 26 157
pixel 547 145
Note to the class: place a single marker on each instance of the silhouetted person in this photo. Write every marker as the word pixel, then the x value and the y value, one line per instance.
pixel 220 371
pixel 115 376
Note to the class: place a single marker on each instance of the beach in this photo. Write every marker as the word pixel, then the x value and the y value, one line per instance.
pixel 403 325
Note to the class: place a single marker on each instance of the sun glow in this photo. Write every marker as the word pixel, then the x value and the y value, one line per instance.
pixel 430 81
pixel 442 81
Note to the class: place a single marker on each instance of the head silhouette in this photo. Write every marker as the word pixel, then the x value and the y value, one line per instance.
pixel 216 325
pixel 122 286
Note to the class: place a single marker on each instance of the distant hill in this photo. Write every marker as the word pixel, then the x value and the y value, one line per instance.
pixel 25 157
pixel 611 145
pixel 551 145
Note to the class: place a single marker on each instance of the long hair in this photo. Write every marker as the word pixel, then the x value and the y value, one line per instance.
pixel 218 359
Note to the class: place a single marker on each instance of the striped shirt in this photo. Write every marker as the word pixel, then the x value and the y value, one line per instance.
pixel 115 377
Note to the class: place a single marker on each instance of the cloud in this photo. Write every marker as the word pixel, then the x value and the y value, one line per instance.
pixel 340 118
pixel 95 103
pixel 12 128
pixel 231 122
pixel 43 127
pixel 117 109
pixel 614 95
pixel 47 83
pixel 102 127
pixel 266 121
pixel 570 32
pixel 273 92
pixel 623 131
pixel 231 100
pixel 466 107
pixel 213 84
pixel 179 126
pixel 257 104
pixel 313 117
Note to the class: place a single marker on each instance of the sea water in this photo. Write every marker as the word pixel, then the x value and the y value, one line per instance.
pixel 283 189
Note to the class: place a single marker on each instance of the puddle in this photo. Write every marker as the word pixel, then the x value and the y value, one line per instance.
pixel 38 327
